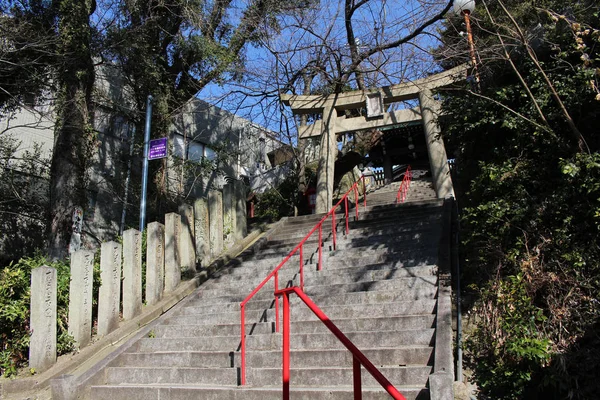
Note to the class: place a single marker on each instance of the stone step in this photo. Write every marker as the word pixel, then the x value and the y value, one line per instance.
pixel 423 303
pixel 310 253
pixel 346 258
pixel 372 273
pixel 409 285
pixel 325 277
pixel 235 288
pixel 407 259
pixel 413 195
pixel 326 340
pixel 360 227
pixel 232 392
pixel 238 291
pixel 386 270
pixel 416 208
pixel 265 298
pixel 414 192
pixel 318 278
pixel 176 375
pixel 396 212
pixel 415 355
pixel 412 375
pixel 389 323
pixel 372 233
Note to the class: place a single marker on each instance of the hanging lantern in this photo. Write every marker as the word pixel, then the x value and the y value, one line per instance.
pixel 463 6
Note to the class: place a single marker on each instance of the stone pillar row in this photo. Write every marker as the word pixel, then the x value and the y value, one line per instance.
pixel 194 236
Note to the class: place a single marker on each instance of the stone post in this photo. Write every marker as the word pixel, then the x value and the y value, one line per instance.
pixel 42 344
pixel 110 290
pixel 440 172
pixel 80 297
pixel 215 209
pixel 172 258
pixel 228 214
pixel 155 262
pixel 202 231
pixel 241 227
pixel 328 154
pixel 132 273
pixel 187 248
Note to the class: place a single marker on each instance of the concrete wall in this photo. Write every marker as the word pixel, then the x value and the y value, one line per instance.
pixel 107 176
pixel 243 147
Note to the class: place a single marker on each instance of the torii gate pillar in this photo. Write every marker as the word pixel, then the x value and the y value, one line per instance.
pixel 328 154
pixel 438 161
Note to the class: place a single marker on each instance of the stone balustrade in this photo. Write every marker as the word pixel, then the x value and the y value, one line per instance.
pixel 187 241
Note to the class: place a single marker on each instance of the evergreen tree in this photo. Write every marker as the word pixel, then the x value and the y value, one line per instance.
pixel 527 145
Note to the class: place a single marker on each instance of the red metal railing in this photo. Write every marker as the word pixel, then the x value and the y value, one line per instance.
pixel 299 249
pixel 359 357
pixel 403 190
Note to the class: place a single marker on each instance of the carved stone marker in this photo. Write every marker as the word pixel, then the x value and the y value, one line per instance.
pixel 110 290
pixel 187 248
pixel 228 214
pixel 202 231
pixel 172 263
pixel 215 209
pixel 241 227
pixel 42 344
pixel 155 262
pixel 132 273
pixel 80 297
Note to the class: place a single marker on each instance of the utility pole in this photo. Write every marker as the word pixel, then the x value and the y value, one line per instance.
pixel 145 167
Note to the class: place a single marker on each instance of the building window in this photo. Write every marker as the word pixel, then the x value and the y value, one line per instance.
pixel 178 147
pixel 209 153
pixel 194 151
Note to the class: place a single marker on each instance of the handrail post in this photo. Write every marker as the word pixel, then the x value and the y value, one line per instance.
pixel 358 357
pixel 275 273
pixel 404 186
pixel 243 349
pixel 356 378
pixel 301 269
pixel 346 204
pixel 356 199
pixel 320 247
pixel 286 347
pixel 276 277
pixel 333 227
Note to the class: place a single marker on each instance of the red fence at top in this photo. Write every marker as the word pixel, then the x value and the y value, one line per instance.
pixel 404 186
pixel 299 250
pixel 358 357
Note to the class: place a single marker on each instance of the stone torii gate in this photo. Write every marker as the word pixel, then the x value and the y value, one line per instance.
pixel 334 122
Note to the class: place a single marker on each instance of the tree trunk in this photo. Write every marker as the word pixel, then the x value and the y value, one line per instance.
pixel 74 133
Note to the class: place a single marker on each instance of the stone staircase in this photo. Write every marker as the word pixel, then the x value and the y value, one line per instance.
pixel 379 286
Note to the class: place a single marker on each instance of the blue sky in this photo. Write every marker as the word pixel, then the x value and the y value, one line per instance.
pixel 378 21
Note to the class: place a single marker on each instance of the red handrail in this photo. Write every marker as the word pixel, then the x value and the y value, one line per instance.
pixel 359 357
pixel 298 248
pixel 403 189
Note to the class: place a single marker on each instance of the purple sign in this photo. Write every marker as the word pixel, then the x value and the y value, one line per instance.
pixel 158 149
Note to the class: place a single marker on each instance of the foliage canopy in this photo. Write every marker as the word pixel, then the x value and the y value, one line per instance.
pixel 530 194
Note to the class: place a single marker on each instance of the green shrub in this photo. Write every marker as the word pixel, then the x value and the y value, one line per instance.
pixel 15 294
pixel 15 281
pixel 278 202
pixel 507 349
